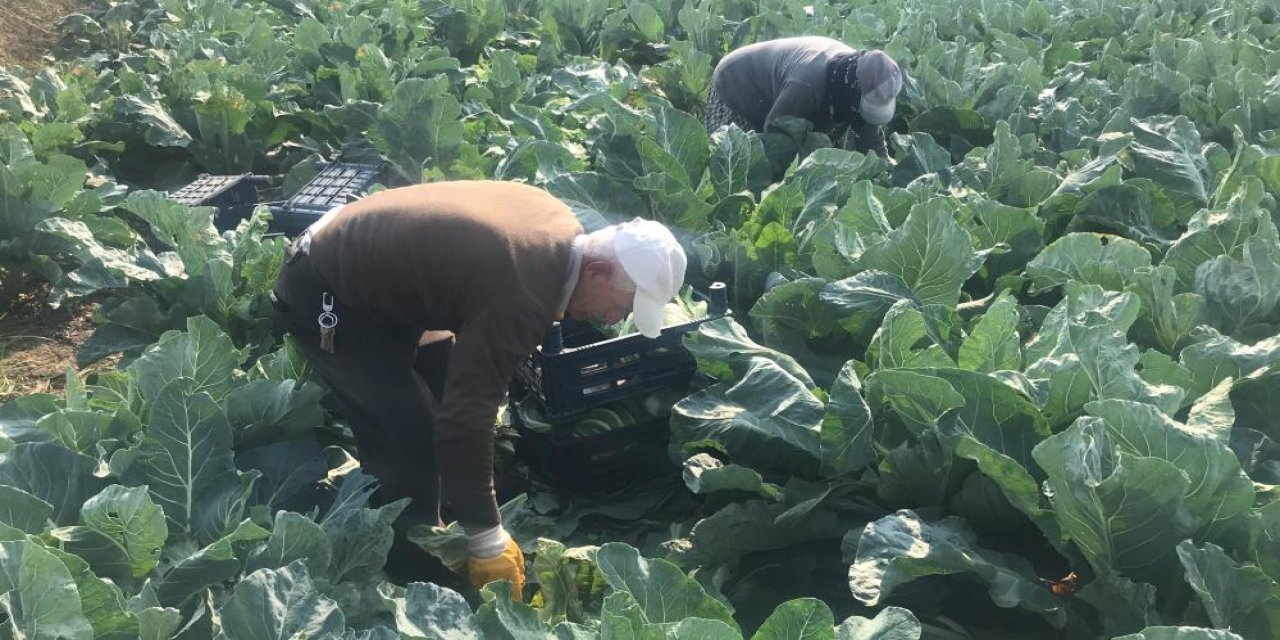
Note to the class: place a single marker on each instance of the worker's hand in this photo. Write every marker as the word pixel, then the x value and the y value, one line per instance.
pixel 495 556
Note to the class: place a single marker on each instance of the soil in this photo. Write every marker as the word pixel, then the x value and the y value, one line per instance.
pixel 38 343
pixel 27 28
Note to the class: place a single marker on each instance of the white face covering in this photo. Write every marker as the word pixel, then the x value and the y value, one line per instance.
pixel 880 79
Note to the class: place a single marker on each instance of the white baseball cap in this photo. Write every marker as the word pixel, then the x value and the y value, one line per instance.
pixel 880 79
pixel 655 262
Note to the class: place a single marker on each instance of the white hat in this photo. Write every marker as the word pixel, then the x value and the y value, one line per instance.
pixel 880 80
pixel 655 262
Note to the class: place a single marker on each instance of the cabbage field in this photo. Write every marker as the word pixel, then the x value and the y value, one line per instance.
pixel 1021 382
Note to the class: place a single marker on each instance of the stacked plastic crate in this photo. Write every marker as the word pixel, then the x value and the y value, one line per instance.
pixel 236 196
pixel 578 370
pixel 337 184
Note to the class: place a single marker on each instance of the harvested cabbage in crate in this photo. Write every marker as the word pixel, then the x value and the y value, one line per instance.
pixel 617 415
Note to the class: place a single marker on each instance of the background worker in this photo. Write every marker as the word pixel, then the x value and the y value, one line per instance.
pixel 494 263
pixel 819 79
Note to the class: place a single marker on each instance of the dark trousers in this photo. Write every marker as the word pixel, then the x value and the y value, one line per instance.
pixel 387 389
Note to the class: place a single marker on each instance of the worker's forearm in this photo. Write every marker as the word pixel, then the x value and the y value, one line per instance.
pixel 870 138
pixel 464 457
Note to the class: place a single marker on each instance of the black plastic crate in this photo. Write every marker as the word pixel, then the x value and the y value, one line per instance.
pixel 337 184
pixel 235 197
pixel 605 463
pixel 577 369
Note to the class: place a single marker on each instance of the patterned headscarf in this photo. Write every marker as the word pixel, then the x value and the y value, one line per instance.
pixel 842 86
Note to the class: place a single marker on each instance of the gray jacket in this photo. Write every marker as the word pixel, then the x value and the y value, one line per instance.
pixel 785 77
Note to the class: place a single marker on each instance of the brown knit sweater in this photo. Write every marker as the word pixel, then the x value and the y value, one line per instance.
pixel 486 260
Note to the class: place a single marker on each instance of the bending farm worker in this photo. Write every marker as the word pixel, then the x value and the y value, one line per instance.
pixel 819 79
pixel 482 268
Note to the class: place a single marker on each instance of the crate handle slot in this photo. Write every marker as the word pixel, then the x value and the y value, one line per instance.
pixel 612 385
pixel 629 358
pixel 593 390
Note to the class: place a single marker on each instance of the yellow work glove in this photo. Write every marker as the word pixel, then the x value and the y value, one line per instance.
pixel 484 567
